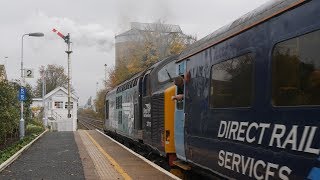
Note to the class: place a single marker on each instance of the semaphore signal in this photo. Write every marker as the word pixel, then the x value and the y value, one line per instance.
pixel 65 38
pixel 68 51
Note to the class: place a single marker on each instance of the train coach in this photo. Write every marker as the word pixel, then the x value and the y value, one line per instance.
pixel 251 105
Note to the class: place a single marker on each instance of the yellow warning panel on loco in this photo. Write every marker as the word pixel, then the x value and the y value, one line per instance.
pixel 169 108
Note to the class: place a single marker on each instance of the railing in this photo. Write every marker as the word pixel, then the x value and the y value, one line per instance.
pixel 56 116
pixel 53 124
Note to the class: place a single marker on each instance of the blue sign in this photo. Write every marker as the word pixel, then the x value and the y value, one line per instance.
pixel 22 94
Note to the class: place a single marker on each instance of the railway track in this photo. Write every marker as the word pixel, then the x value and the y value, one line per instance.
pixel 90 123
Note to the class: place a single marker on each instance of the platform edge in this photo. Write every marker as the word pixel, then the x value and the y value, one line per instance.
pixel 141 157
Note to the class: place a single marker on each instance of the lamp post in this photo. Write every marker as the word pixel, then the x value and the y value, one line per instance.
pixel 22 82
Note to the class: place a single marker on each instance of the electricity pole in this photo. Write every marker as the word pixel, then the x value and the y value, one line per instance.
pixel 105 74
pixel 43 94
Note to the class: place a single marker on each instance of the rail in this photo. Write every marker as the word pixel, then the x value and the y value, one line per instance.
pixel 90 123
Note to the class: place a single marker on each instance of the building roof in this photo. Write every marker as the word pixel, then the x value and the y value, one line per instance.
pixel 136 28
pixel 166 28
pixel 247 21
pixel 62 89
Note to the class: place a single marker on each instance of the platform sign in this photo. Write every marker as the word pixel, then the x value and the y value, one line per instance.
pixel 22 94
pixel 28 73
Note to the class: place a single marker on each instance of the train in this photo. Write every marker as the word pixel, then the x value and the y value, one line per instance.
pixel 251 98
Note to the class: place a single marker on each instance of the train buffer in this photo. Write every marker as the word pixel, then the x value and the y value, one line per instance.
pixel 84 154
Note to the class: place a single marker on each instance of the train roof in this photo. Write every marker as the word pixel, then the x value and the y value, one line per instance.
pixel 129 79
pixel 247 21
pixel 168 58
pixel 172 57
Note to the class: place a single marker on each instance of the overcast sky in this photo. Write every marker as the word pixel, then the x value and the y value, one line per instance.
pixel 93 25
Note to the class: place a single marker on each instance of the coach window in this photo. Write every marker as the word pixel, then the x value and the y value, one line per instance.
pixel 107 109
pixel 232 83
pixel 119 117
pixel 296 71
pixel 117 102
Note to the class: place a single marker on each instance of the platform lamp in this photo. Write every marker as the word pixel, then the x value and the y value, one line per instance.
pixel 22 84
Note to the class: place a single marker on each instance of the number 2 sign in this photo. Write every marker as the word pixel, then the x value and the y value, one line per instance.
pixel 28 73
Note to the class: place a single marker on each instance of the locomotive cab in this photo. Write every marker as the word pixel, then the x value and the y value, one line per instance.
pixel 158 108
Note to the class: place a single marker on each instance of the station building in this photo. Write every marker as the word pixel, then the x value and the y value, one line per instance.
pixel 128 40
pixel 56 110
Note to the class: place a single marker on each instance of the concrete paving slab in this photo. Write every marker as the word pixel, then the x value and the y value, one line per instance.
pixel 54 156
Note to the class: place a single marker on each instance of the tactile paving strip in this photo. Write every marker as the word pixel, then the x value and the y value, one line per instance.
pixel 104 168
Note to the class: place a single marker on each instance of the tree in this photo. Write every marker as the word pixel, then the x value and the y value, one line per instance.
pixel 54 77
pixel 10 109
pixel 146 47
pixel 100 103
pixel 163 40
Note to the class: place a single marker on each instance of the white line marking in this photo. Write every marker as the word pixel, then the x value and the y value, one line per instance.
pixel 141 157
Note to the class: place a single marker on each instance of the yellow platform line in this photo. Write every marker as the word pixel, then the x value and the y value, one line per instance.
pixel 115 164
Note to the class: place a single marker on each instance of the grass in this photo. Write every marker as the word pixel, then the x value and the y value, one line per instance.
pixel 33 130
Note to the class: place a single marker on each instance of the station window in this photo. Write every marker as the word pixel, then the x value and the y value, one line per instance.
pixel 296 71
pixel 58 104
pixel 66 105
pixel 232 83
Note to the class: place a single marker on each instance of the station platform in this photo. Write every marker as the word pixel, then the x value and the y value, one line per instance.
pixel 84 154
